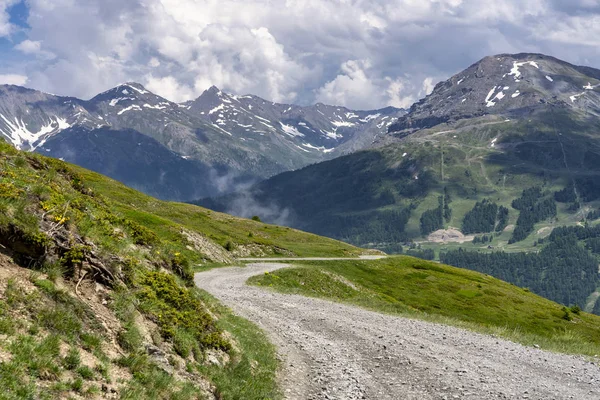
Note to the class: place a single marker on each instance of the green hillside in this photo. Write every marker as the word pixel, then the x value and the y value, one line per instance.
pixel 505 183
pixel 435 292
pixel 96 290
pixel 388 189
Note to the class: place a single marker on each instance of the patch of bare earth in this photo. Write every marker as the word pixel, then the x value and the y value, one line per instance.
pixel 450 235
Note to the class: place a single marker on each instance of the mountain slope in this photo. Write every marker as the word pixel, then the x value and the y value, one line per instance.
pixel 506 175
pixel 451 295
pixel 96 291
pixel 228 140
pixel 510 85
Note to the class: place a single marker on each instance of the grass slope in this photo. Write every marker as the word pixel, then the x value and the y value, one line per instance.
pixel 167 218
pixel 421 289
pixel 105 296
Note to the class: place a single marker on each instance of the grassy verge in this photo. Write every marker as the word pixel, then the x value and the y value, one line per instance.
pixel 425 290
pixel 111 306
pixel 253 376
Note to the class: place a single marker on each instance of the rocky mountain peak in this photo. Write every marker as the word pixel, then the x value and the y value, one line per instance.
pixel 211 97
pixel 505 84
pixel 246 135
pixel 213 89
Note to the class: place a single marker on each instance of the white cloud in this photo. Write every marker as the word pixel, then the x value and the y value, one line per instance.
pixel 29 46
pixel 34 48
pixel 428 85
pixel 154 62
pixel 168 87
pixel 13 79
pixel 351 87
pixel 358 53
pixel 6 27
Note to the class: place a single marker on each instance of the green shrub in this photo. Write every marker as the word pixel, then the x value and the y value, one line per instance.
pixel 130 338
pixel 74 257
pixel 38 359
pixel 102 369
pixel 7 324
pixel 86 372
pixel 140 234
pixel 61 320
pixel 90 342
pixel 181 266
pixel 77 385
pixel 54 271
pixel 184 343
pixel 174 307
pixel 73 359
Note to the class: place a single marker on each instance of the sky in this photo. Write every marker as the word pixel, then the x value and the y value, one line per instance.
pixel 363 54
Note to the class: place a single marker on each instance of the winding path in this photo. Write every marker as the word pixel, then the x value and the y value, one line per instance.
pixel 336 351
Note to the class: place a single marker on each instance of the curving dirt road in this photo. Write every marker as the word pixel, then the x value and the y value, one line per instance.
pixel 335 351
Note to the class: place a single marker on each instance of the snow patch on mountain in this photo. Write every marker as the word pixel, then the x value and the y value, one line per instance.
pixel 217 108
pixel 319 148
pixel 19 134
pixel 291 130
pixel 115 101
pixel 370 117
pixel 159 106
pixel 133 107
pixel 140 91
pixel 332 134
pixel 337 124
pixel 516 65
pixel 271 127
pixel 491 101
pixel 575 96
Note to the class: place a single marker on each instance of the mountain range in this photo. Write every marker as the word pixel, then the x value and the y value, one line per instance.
pixel 203 147
pixel 478 134
pixel 492 162
pixel 501 158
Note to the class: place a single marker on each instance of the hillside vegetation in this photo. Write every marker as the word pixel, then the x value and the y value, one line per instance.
pixel 423 289
pixel 484 176
pixel 97 297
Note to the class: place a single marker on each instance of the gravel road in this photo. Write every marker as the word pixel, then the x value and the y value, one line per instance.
pixel 335 351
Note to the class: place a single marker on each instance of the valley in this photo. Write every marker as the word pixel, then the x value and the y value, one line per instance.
pixel 459 160
pixel 303 200
pixel 135 296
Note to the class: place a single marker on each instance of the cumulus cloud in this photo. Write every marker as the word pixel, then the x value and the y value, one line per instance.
pixel 34 48
pixel 357 53
pixel 5 26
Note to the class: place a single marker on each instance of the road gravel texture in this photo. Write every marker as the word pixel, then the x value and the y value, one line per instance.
pixel 335 351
